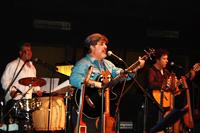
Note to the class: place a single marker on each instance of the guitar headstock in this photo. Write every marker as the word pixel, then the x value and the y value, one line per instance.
pixel 106 77
pixel 196 67
pixel 149 53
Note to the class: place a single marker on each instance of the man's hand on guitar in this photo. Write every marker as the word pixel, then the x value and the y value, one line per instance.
pixel 193 71
pixel 141 65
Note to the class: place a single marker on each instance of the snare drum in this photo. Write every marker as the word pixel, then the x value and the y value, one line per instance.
pixel 45 119
pixel 28 104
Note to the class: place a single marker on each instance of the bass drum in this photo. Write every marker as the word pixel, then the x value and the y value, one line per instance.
pixel 46 119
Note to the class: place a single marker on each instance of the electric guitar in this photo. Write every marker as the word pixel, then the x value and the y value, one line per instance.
pixel 93 96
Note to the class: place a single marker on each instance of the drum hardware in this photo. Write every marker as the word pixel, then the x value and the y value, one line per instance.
pixel 25 107
pixel 33 82
pixel 28 105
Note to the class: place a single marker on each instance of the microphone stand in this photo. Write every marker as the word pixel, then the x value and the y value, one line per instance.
pixel 117 115
pixel 50 95
pixel 102 111
pixel 53 69
pixel 147 95
pixel 11 83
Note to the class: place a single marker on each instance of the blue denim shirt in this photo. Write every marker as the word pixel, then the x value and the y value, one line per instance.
pixel 80 70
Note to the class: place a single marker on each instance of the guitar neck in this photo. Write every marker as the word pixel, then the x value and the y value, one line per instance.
pixel 120 76
pixel 107 101
pixel 135 65
pixel 187 75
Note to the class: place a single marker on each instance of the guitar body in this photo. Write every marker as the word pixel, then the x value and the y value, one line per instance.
pixel 109 124
pixel 82 128
pixel 92 104
pixel 188 119
pixel 166 100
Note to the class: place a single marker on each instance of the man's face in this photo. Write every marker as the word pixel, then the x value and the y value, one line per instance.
pixel 99 51
pixel 163 61
pixel 26 53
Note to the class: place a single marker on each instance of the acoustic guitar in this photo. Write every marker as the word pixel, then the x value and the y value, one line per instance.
pixel 108 121
pixel 166 97
pixel 188 117
pixel 93 96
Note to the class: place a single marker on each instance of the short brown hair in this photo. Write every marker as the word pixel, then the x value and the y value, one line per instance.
pixel 94 38
pixel 22 44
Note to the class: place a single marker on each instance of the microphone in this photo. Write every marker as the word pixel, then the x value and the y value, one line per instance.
pixel 172 64
pixel 37 60
pixel 110 53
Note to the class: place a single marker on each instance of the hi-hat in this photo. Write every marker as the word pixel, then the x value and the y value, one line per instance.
pixel 33 81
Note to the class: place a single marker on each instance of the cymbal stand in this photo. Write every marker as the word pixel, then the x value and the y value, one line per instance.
pixel 26 124
pixel 28 116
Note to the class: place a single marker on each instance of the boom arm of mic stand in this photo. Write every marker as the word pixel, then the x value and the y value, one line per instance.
pixel 11 83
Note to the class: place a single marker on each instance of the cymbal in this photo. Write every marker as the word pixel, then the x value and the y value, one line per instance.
pixel 33 81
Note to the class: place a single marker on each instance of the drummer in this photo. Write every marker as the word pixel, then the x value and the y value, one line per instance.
pixel 17 69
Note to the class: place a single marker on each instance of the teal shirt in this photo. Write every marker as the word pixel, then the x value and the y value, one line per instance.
pixel 80 70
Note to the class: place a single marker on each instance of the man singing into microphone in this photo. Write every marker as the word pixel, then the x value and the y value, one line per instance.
pixel 96 46
pixel 15 70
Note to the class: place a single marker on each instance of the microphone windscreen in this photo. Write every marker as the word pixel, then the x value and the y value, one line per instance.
pixel 109 53
pixel 172 63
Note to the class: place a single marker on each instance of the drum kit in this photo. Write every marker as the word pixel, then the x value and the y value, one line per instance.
pixel 28 105
pixel 35 110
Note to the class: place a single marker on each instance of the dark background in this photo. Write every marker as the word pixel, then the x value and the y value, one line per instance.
pixel 131 27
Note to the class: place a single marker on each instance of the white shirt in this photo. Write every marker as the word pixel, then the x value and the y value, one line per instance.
pixel 8 76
